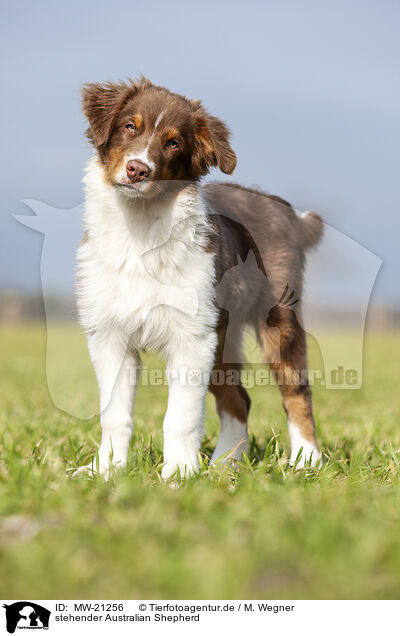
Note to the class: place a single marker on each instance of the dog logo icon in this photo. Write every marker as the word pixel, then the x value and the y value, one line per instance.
pixel 26 615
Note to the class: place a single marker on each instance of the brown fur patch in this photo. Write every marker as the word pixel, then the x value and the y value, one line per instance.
pixel 231 398
pixel 212 146
pixel 172 134
pixel 137 120
pixel 284 348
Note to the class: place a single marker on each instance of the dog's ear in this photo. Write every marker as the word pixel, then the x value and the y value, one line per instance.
pixel 211 142
pixel 101 103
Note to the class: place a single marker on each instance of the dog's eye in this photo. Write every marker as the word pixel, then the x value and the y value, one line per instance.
pixel 172 143
pixel 130 127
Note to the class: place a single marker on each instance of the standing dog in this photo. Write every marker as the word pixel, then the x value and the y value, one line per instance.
pixel 156 244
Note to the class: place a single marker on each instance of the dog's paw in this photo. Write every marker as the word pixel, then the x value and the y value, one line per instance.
pixel 179 469
pixel 90 470
pixel 86 471
pixel 304 452
pixel 310 458
pixel 105 470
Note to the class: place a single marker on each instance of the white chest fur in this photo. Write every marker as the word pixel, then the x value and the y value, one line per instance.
pixel 145 273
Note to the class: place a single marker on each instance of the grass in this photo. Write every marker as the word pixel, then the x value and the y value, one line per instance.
pixel 264 531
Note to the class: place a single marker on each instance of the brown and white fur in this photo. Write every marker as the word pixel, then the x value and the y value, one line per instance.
pixel 152 236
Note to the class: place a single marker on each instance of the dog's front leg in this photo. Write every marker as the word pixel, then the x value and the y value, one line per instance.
pixel 116 370
pixel 188 374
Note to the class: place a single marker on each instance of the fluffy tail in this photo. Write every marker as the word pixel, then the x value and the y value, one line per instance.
pixel 312 228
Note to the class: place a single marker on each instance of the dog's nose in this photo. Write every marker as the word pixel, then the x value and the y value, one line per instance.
pixel 137 171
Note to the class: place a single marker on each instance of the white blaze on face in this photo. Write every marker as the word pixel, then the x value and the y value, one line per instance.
pixel 143 155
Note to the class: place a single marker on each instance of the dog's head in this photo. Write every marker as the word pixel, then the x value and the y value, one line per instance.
pixel 147 137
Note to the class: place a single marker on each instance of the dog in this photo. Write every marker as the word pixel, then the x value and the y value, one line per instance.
pixel 156 245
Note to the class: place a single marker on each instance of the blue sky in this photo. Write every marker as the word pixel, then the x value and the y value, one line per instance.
pixel 310 90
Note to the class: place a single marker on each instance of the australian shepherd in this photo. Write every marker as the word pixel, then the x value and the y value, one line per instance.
pixel 172 266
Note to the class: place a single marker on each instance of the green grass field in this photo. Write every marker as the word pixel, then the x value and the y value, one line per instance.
pixel 263 531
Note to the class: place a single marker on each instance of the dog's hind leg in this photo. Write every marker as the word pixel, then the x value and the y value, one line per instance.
pixel 284 347
pixel 231 398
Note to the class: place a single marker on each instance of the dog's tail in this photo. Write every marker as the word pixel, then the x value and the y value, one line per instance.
pixel 311 229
